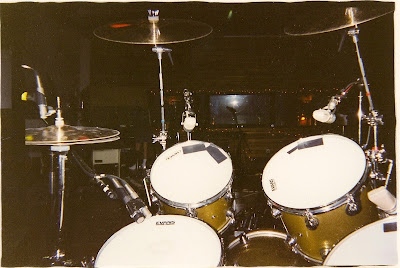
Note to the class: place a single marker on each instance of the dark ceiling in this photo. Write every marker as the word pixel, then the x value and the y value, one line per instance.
pixel 247 50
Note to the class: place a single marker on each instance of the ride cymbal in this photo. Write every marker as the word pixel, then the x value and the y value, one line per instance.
pixel 326 17
pixel 162 31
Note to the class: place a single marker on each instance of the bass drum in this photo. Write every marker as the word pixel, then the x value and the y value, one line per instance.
pixel 318 186
pixel 374 244
pixel 194 178
pixel 160 241
pixel 262 248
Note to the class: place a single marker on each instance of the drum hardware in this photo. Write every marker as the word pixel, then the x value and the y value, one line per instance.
pixel 60 137
pixel 148 194
pixel 299 215
pixel 353 207
pixel 262 248
pixel 155 31
pixel 311 221
pixel 244 240
pixel 163 240
pixel 191 212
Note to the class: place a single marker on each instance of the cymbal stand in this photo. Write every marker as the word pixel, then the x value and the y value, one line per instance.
pixel 155 31
pixel 375 155
pixel 162 138
pixel 58 195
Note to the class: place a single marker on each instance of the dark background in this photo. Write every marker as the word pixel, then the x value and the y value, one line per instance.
pixel 248 52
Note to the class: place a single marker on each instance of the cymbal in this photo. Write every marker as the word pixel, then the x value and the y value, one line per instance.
pixel 165 31
pixel 69 135
pixel 328 17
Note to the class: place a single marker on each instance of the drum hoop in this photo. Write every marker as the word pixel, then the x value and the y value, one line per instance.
pixel 258 233
pixel 322 209
pixel 199 204
pixel 308 258
pixel 221 257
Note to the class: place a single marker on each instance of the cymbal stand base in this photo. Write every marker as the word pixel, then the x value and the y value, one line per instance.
pixel 58 259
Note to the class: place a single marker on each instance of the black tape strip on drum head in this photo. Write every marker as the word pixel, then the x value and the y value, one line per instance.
pixel 193 148
pixel 390 227
pixel 216 154
pixel 307 144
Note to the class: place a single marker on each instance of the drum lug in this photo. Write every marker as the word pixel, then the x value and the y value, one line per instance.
pixel 244 240
pixel 276 213
pixel 191 212
pixel 311 221
pixel 291 241
pixel 229 194
pixel 324 252
pixel 353 207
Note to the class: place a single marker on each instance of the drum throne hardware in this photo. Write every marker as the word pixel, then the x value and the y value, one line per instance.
pixel 155 31
pixel 60 137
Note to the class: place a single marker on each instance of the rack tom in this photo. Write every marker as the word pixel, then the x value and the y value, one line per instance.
pixel 318 187
pixel 194 178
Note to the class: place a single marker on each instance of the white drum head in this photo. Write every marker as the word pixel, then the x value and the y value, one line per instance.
pixel 373 244
pixel 162 240
pixel 191 172
pixel 314 171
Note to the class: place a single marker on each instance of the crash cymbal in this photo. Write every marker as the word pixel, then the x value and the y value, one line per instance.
pixel 326 17
pixel 164 31
pixel 69 135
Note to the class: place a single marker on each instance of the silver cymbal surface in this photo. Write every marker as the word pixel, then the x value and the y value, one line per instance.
pixel 69 135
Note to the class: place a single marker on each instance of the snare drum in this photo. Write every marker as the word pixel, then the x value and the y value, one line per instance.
pixel 318 187
pixel 262 248
pixel 160 241
pixel 194 178
pixel 373 244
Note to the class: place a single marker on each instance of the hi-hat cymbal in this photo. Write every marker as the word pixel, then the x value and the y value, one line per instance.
pixel 327 17
pixel 165 31
pixel 69 135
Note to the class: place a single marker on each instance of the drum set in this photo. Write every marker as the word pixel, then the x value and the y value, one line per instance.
pixel 331 214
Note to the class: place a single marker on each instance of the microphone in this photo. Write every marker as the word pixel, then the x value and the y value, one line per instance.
pixel 324 116
pixel 327 114
pixel 133 205
pixel 40 96
pixel 188 116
